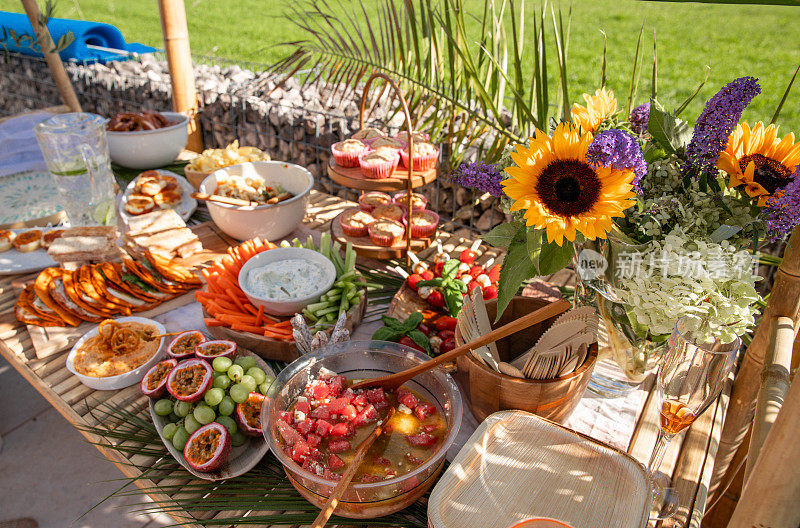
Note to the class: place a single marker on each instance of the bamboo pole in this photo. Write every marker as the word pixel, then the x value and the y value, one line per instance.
pixel 53 60
pixel 783 302
pixel 775 384
pixel 771 497
pixel 181 70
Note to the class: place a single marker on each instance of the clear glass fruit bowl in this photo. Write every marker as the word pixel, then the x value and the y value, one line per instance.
pixel 358 360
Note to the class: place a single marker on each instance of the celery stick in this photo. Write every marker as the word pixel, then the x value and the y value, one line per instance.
pixel 326 311
pixel 285 244
pixel 325 245
pixel 349 258
pixel 318 306
pixel 296 242
pixel 347 276
pixel 308 314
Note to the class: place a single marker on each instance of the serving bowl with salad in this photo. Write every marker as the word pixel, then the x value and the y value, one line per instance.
pixel 282 190
pixel 313 421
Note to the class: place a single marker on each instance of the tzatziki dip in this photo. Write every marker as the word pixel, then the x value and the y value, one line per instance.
pixel 284 280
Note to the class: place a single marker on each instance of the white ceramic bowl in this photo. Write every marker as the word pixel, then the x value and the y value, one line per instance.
pixel 290 306
pixel 149 149
pixel 122 380
pixel 270 222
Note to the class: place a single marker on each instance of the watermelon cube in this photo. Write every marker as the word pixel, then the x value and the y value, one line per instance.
pixel 300 451
pixel 424 410
pixel 323 412
pixel 334 462
pixel 323 428
pixel 421 440
pixel 339 446
pixel 305 427
pixel 368 415
pixel 375 395
pixel 407 399
pixel 290 436
pixel 349 413
pixel 342 429
pixel 314 440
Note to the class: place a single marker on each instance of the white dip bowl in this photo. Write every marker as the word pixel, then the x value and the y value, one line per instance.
pixel 287 306
pixel 270 222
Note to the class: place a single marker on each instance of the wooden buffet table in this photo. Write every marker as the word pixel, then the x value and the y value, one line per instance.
pixel 690 457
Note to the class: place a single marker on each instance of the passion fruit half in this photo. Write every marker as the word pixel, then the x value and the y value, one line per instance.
pixel 248 414
pixel 185 344
pixel 190 379
pixel 154 382
pixel 214 349
pixel 208 448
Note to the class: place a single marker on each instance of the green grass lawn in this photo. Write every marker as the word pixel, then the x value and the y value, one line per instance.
pixel 732 40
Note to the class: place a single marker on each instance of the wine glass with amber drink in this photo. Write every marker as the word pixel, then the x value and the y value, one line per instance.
pixel 695 368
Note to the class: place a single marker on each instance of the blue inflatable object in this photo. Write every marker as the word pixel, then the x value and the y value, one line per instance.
pixel 92 33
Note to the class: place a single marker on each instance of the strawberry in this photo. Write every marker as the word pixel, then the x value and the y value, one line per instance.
pixel 490 292
pixel 471 286
pixel 407 341
pixel 494 273
pixel 427 275
pixel 422 327
pixel 438 268
pixel 447 345
pixel 445 322
pixel 474 271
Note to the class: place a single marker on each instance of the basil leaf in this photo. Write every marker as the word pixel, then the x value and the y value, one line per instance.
pixel 453 300
pixel 385 333
pixel 391 322
pixel 450 268
pixel 432 282
pixel 421 339
pixel 411 322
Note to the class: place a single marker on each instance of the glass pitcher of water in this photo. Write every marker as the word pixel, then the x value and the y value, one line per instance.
pixel 76 152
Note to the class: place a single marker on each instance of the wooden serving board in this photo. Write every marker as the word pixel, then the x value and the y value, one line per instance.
pixel 53 339
pixel 518 466
pixel 366 248
pixel 274 349
pixel 352 178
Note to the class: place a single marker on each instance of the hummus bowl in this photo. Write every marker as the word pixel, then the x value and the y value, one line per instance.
pixel 127 379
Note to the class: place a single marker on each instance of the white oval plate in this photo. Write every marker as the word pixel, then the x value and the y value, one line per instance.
pixel 184 209
pixel 13 262
pixel 241 460
pixel 122 380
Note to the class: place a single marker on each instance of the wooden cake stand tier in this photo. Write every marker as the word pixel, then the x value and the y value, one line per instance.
pixel 353 178
pixel 364 246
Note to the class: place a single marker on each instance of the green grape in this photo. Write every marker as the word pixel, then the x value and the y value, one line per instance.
pixel 204 414
pixel 174 417
pixel 264 387
pixel 226 406
pixel 222 364
pixel 222 382
pixel 182 408
pixel 239 393
pixel 259 375
pixel 246 362
pixel 163 407
pixel 214 396
pixel 180 437
pixel 191 424
pixel 169 431
pixel 228 423
pixel 235 372
pixel 249 382
pixel 238 438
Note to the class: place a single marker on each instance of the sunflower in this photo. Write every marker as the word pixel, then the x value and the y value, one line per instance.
pixel 560 191
pixel 599 107
pixel 758 161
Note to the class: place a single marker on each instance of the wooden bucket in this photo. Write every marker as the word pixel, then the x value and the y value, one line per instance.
pixel 488 391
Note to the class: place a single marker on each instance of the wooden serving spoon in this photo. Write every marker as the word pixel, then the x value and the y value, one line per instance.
pixel 350 472
pixel 393 381
pixel 203 197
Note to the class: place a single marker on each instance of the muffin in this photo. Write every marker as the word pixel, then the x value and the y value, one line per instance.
pixel 346 153
pixel 418 201
pixel 419 137
pixel 425 156
pixel 380 163
pixel 354 222
pixel 386 232
pixel 394 212
pixel 423 223
pixel 371 200
pixel 368 135
pixel 387 142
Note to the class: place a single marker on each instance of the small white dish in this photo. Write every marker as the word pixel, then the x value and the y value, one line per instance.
pixel 289 306
pixel 122 380
pixel 13 262
pixel 268 221
pixel 185 209
pixel 149 149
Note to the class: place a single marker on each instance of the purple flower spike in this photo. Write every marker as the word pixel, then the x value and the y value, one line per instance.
pixel 720 115
pixel 619 150
pixel 480 176
pixel 782 211
pixel 640 116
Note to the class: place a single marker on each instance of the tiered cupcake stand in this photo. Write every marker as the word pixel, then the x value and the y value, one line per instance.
pixel 402 179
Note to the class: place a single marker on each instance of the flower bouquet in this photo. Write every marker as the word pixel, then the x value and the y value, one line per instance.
pixel 661 220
